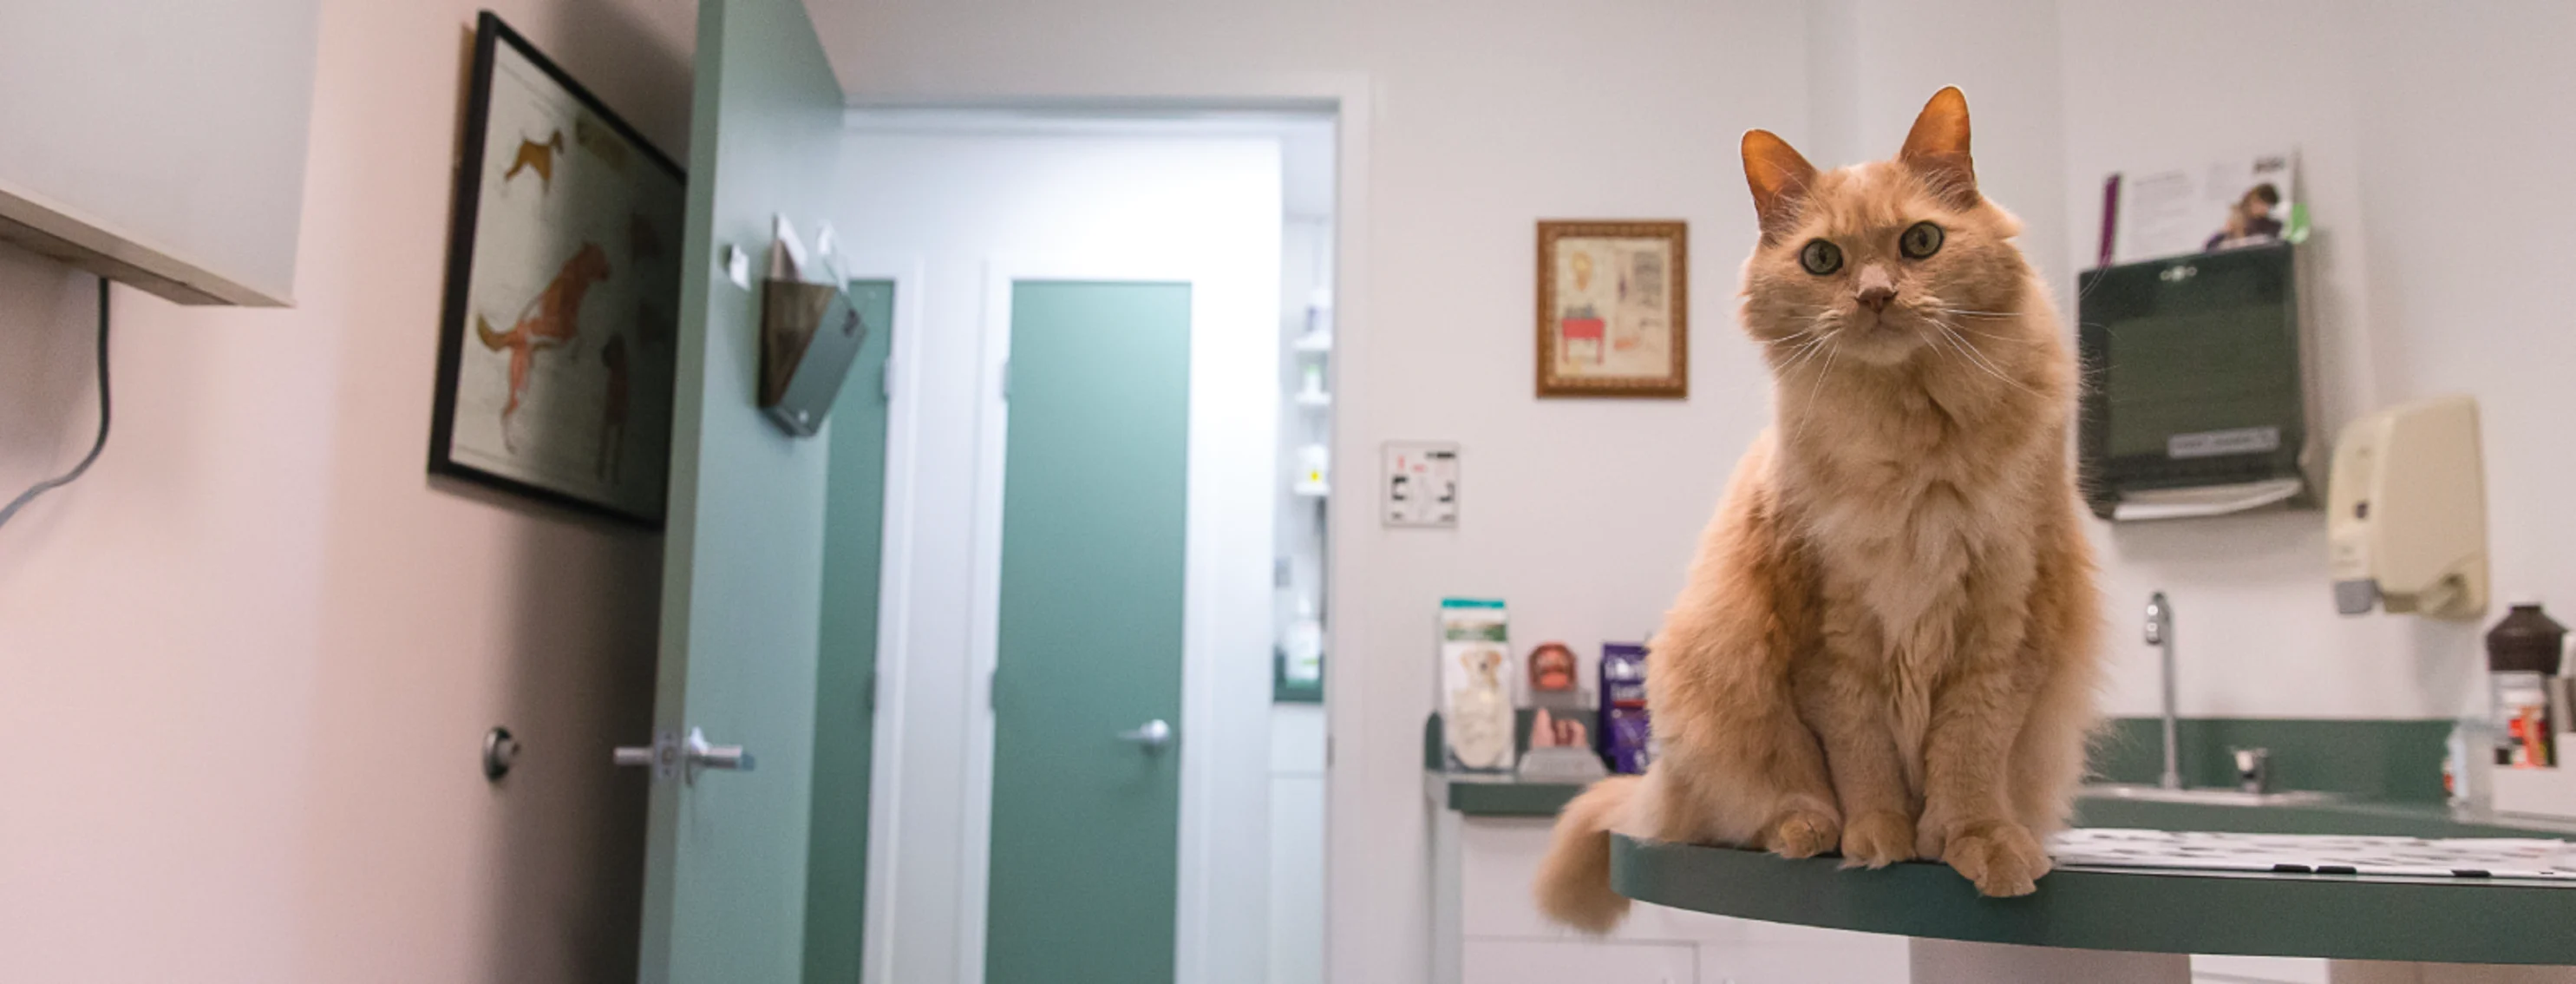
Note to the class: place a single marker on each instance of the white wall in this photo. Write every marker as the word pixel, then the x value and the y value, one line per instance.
pixel 957 202
pixel 249 659
pixel 1477 120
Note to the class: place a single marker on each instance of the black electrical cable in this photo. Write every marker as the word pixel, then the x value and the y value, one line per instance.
pixel 48 485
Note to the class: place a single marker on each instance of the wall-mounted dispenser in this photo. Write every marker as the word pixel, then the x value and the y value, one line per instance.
pixel 808 335
pixel 2199 403
pixel 2407 515
pixel 809 329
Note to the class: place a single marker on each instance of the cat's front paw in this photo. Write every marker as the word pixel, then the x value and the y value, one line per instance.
pixel 2000 856
pixel 1876 840
pixel 1802 833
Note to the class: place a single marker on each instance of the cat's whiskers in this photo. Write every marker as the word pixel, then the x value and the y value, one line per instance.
pixel 1969 352
pixel 1797 341
pixel 1814 392
pixel 1990 336
pixel 1964 312
pixel 1802 356
pixel 1817 332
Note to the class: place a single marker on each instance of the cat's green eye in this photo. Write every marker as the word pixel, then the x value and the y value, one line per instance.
pixel 1821 257
pixel 1920 240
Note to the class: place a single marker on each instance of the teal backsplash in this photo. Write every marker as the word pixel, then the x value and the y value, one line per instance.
pixel 2373 760
pixel 2394 761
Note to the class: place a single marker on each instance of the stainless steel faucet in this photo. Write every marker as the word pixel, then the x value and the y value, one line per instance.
pixel 2160 633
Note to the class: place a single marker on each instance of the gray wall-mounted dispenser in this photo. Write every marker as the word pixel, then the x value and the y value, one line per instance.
pixel 808 335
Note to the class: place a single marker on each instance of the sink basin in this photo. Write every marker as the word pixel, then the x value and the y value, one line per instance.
pixel 2208 797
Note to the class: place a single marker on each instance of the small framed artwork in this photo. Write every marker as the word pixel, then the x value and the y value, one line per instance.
pixel 1613 309
pixel 560 327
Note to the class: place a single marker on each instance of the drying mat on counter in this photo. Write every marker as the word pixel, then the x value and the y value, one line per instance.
pixel 2497 857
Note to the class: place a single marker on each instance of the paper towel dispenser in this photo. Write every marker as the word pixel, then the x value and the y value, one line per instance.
pixel 2198 397
pixel 2407 512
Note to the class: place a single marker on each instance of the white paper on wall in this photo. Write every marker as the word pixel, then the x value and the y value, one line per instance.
pixel 2224 203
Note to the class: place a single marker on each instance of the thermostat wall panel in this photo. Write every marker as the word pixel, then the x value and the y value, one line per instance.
pixel 1420 483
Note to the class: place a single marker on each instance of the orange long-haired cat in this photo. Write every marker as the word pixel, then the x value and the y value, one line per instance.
pixel 1889 642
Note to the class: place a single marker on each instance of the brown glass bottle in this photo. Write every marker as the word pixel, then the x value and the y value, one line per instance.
pixel 2522 656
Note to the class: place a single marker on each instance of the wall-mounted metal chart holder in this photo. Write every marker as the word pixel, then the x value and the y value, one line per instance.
pixel 809 333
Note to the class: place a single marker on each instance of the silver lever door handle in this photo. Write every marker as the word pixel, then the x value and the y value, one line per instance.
pixel 705 756
pixel 669 752
pixel 662 756
pixel 1153 735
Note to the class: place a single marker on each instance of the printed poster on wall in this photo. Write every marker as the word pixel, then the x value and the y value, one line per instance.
pixel 555 368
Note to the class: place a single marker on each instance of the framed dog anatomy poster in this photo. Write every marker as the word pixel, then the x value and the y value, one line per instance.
pixel 563 294
pixel 1613 309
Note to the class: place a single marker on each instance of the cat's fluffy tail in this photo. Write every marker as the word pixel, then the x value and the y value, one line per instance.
pixel 1573 884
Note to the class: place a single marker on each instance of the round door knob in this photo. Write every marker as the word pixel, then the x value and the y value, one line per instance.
pixel 500 752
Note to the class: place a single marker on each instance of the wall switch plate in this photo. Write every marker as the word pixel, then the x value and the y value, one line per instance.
pixel 1421 483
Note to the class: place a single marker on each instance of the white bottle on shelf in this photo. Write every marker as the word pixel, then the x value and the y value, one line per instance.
pixel 1314 470
pixel 1303 645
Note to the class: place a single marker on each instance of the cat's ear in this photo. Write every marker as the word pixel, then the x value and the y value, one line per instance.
pixel 1780 178
pixel 1937 148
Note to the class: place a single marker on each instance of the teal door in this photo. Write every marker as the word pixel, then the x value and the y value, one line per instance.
pixel 742 564
pixel 1086 807
pixel 845 678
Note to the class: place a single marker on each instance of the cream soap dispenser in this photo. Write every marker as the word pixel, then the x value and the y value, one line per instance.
pixel 2406 513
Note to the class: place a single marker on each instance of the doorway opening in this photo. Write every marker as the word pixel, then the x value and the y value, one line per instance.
pixel 1099 731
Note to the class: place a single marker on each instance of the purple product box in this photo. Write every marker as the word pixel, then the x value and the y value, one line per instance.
pixel 1625 739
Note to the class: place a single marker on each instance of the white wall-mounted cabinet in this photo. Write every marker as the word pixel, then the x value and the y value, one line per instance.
pixel 159 142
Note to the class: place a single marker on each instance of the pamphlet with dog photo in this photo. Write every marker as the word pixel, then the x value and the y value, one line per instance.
pixel 2250 200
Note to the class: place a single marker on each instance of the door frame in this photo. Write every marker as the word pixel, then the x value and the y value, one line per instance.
pixel 1213 508
pixel 894 598
pixel 1374 922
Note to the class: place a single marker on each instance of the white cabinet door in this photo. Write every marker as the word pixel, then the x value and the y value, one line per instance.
pixel 1497 859
pixel 1776 954
pixel 2207 969
pixel 1600 962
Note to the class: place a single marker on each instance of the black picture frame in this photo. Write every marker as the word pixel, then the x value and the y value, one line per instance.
pixel 491 33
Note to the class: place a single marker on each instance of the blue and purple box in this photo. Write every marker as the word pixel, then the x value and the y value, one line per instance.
pixel 1627 743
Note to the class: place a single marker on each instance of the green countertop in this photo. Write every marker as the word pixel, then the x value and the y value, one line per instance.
pixel 2446 920
pixel 1501 796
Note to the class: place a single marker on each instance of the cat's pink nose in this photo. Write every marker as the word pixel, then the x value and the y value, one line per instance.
pixel 1876 288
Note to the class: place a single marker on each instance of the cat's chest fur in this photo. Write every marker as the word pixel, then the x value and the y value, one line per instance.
pixel 1904 506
